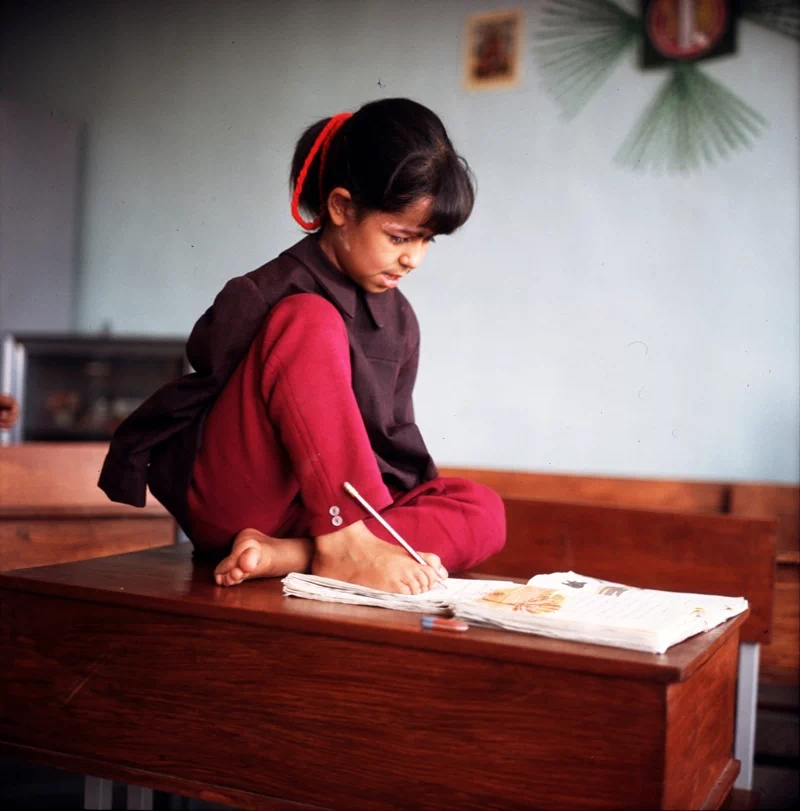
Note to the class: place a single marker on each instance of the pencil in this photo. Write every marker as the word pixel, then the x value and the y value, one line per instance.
pixel 357 496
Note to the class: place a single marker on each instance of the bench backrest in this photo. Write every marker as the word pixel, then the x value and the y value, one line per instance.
pixel 751 499
pixel 52 511
pixel 58 476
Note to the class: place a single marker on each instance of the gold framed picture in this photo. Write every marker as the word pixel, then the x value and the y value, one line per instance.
pixel 492 46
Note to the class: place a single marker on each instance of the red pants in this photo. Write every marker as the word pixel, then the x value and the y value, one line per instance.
pixel 286 432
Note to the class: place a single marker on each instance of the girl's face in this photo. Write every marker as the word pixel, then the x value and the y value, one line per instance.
pixel 378 250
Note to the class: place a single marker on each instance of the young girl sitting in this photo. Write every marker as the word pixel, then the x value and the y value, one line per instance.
pixel 304 371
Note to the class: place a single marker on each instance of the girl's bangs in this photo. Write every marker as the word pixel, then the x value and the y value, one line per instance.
pixel 453 199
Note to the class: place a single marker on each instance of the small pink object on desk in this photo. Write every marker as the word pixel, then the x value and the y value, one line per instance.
pixel 442 624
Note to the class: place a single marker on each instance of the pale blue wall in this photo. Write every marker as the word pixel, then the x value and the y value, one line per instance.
pixel 192 108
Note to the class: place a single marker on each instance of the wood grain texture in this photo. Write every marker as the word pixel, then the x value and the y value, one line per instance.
pixel 314 713
pixel 662 494
pixel 700 724
pixel 59 476
pixel 708 554
pixel 287 715
pixel 52 511
pixel 780 660
pixel 781 502
pixel 27 542
pixel 753 499
pixel 166 580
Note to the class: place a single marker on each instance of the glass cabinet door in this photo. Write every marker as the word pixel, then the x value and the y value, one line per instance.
pixel 80 389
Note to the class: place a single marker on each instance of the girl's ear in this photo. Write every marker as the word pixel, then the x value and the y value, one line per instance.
pixel 340 206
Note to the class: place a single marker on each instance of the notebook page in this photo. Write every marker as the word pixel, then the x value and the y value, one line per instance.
pixel 569 606
pixel 618 606
pixel 436 601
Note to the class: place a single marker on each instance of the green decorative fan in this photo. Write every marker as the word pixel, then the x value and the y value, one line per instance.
pixel 693 118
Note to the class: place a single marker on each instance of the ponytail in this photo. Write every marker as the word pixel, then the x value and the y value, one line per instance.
pixel 323 132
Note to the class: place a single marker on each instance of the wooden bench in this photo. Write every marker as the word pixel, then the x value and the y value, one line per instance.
pixel 51 510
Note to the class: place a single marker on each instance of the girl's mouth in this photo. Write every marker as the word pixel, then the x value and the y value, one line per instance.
pixel 390 280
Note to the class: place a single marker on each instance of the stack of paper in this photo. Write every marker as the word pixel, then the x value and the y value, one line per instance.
pixel 438 600
pixel 566 605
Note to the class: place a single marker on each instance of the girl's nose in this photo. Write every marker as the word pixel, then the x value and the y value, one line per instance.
pixel 410 258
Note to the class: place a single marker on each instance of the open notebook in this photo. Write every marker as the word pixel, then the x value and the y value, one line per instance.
pixel 563 605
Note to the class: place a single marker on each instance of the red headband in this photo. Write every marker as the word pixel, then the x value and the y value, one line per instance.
pixel 323 140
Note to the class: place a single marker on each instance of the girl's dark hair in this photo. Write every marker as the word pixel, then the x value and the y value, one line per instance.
pixel 388 155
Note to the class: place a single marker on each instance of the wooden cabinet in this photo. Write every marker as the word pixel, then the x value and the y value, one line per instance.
pixel 79 388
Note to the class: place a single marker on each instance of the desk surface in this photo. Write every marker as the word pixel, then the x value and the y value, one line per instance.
pixel 167 580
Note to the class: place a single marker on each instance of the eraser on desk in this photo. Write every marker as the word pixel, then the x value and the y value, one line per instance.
pixel 442 624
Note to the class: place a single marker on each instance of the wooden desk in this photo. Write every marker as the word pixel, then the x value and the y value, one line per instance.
pixel 136 668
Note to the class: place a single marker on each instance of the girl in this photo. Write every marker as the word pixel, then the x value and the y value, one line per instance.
pixel 304 371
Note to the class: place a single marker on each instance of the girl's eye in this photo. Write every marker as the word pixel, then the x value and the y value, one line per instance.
pixel 402 240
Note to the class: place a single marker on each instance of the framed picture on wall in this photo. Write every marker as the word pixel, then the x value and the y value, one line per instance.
pixel 492 48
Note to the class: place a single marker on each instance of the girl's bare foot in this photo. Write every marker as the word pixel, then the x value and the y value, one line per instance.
pixel 355 555
pixel 257 555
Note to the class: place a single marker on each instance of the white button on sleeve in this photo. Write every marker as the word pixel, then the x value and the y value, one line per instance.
pixel 337 520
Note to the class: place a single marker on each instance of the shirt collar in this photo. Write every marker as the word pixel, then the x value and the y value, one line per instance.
pixel 343 290
pixel 338 286
pixel 378 305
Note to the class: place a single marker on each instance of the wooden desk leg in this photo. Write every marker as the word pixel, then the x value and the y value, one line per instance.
pixel 746 700
pixel 140 799
pixel 97 793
